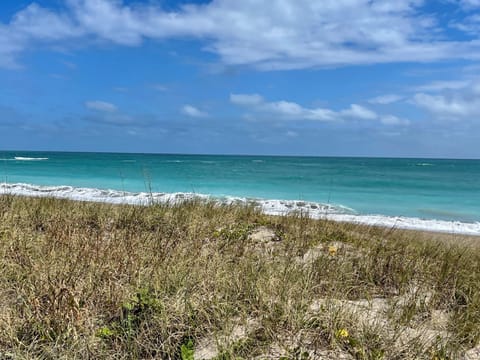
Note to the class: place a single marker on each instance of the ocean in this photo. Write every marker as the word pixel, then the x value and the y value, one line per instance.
pixel 427 194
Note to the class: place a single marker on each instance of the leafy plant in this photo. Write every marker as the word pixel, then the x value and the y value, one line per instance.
pixel 187 351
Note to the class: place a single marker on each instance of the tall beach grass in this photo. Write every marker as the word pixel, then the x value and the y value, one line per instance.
pixel 200 280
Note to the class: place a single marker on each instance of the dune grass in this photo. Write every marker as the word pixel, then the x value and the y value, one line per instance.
pixel 198 280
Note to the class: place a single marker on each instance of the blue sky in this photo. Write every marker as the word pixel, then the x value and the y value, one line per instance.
pixel 295 77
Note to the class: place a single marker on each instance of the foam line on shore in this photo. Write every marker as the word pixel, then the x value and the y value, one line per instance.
pixel 271 207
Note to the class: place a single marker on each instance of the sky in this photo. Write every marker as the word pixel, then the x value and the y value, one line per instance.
pixel 281 77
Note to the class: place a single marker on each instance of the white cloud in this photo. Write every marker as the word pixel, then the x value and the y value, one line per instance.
pixel 246 99
pixel 276 34
pixel 41 23
pixel 32 25
pixel 359 112
pixel 288 110
pixel 385 99
pixel 193 111
pixel 469 24
pixel 100 106
pixel 283 109
pixel 449 107
pixel 10 46
pixel 470 4
pixel 457 104
pixel 321 114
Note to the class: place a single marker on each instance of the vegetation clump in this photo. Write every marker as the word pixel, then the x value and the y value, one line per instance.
pixel 206 281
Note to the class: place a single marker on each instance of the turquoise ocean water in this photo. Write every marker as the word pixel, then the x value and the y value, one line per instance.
pixel 422 189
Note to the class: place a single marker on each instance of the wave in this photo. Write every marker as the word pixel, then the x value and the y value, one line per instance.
pixel 21 158
pixel 424 164
pixel 270 207
pixel 92 194
pixel 400 222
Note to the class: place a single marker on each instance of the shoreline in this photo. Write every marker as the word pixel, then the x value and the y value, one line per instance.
pixel 313 210
pixel 231 282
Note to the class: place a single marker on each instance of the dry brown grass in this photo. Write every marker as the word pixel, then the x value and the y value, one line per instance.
pixel 87 280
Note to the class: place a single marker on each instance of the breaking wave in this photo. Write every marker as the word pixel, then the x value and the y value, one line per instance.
pixel 271 207
pixel 21 158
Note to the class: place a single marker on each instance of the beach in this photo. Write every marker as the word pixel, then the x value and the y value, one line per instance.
pixel 199 280
pixel 240 180
pixel 218 257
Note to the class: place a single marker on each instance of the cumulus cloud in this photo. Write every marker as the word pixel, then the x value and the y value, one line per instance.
pixel 100 106
pixel 359 112
pixel 192 111
pixel 288 110
pixel 35 21
pixel 283 109
pixel 30 26
pixel 385 99
pixel 462 103
pixel 276 34
pixel 455 106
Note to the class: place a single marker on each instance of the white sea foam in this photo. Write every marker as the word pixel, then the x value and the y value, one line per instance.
pixel 400 222
pixel 21 158
pixel 100 195
pixel 271 207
